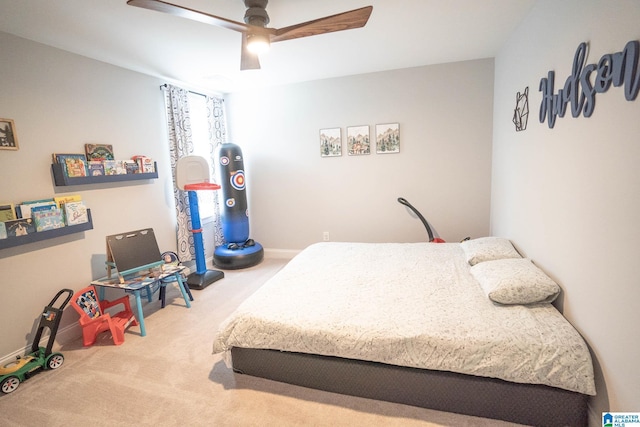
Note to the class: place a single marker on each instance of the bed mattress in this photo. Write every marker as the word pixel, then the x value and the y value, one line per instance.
pixel 406 304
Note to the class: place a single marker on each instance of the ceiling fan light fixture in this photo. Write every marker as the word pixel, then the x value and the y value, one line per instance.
pixel 256 36
pixel 258 43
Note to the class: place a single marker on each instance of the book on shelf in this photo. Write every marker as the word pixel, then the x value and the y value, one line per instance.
pixel 148 166
pixel 25 208
pixel 109 167
pixel 145 164
pixel 131 166
pixel 61 200
pixel 7 212
pixel 62 160
pixel 121 168
pixel 75 213
pixel 20 227
pixel 99 151
pixel 3 231
pixel 44 207
pixel 48 219
pixel 96 168
pixel 76 167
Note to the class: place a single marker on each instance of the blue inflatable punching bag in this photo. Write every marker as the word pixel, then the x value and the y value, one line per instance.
pixel 240 251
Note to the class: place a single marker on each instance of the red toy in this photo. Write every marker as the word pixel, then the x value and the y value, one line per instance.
pixel 95 320
pixel 432 239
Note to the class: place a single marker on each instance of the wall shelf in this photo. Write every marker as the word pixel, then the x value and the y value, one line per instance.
pixel 11 242
pixel 61 179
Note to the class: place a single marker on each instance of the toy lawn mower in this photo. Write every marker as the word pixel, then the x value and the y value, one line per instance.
pixel 40 358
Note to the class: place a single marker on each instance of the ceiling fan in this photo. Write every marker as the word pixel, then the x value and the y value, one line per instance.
pixel 256 36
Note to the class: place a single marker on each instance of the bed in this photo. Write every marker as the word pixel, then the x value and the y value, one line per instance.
pixel 459 327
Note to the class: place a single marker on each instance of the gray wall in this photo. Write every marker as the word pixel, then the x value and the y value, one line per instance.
pixel 568 196
pixel 59 102
pixel 443 168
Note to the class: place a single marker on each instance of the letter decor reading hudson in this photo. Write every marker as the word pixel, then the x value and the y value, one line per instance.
pixel 613 68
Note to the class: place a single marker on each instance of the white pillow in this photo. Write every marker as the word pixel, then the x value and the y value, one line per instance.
pixel 488 249
pixel 515 281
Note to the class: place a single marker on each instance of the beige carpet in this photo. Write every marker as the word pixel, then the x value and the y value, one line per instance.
pixel 170 378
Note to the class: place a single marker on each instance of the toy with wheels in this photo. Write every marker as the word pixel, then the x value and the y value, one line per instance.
pixel 40 358
pixel 240 251
pixel 432 239
pixel 192 174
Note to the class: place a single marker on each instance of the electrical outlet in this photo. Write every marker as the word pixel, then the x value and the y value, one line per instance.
pixel 325 236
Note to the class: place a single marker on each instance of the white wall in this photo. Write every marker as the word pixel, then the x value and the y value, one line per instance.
pixel 568 196
pixel 443 168
pixel 59 102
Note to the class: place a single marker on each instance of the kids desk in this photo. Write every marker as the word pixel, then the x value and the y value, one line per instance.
pixel 144 281
pixel 140 267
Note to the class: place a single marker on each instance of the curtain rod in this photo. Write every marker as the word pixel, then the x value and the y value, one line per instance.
pixel 166 86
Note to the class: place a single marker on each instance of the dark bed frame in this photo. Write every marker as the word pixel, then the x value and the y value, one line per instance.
pixel 530 404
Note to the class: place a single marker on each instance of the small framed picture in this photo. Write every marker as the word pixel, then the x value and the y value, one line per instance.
pixel 8 138
pixel 358 140
pixel 331 142
pixel 388 138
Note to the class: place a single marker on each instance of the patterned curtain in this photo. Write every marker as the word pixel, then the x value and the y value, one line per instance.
pixel 180 145
pixel 216 119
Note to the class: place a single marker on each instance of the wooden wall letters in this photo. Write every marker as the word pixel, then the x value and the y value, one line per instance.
pixel 580 89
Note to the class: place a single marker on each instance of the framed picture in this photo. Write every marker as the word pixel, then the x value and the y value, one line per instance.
pixel 358 140
pixel 388 138
pixel 8 138
pixel 330 142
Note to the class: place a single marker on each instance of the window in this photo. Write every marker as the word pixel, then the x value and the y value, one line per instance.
pixel 202 147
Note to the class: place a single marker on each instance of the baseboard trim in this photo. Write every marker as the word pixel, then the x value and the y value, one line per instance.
pixel 73 331
pixel 64 336
pixel 281 253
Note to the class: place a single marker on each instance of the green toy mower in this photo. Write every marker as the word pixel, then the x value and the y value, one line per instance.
pixel 40 358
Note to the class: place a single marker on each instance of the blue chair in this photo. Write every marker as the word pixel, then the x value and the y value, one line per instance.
pixel 170 257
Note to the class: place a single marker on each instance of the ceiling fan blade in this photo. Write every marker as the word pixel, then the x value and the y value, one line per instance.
pixel 248 60
pixel 342 21
pixel 185 12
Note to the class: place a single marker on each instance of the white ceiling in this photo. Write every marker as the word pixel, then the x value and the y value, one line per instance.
pixel 399 34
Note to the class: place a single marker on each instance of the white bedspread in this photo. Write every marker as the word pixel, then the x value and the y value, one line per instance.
pixel 407 304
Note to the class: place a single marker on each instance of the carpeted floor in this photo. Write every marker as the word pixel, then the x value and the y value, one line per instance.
pixel 170 378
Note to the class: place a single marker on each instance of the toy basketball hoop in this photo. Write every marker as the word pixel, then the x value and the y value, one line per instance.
pixel 192 174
